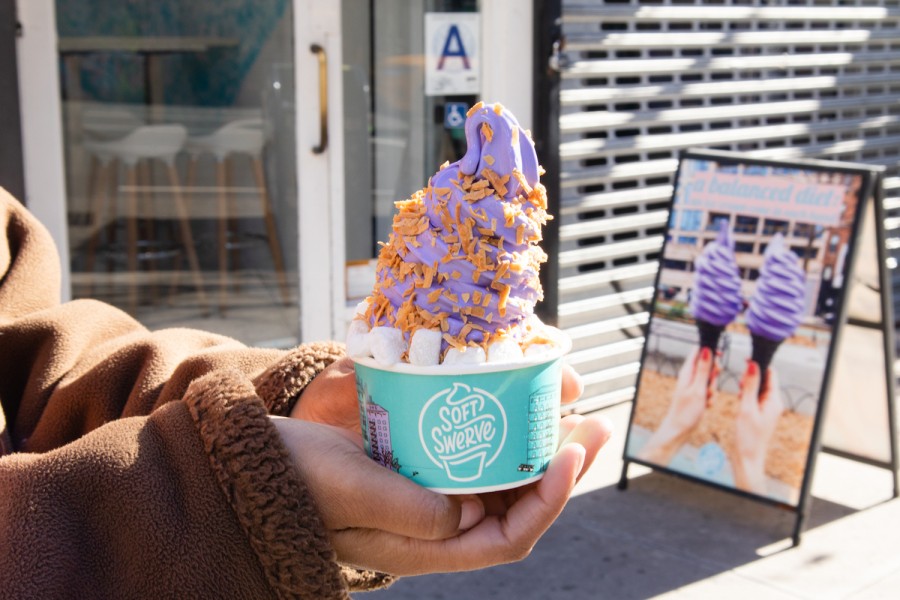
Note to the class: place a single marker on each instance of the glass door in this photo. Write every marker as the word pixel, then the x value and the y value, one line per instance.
pixel 232 166
pixel 396 134
pixel 179 144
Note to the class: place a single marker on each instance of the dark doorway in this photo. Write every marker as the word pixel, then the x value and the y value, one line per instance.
pixel 12 176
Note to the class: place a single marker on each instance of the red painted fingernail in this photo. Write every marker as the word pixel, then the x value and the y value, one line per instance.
pixel 704 353
pixel 752 369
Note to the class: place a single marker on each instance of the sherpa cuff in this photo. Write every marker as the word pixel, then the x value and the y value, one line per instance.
pixel 272 503
pixel 281 384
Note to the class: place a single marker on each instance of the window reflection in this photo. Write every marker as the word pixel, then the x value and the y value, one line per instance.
pixel 179 143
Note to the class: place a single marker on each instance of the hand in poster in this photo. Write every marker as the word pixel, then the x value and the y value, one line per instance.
pixel 693 393
pixel 758 414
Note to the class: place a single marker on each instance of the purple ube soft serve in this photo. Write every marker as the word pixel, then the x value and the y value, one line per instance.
pixel 716 296
pixel 777 306
pixel 458 278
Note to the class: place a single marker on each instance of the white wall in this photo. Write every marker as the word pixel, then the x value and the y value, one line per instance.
pixel 42 133
pixel 507 46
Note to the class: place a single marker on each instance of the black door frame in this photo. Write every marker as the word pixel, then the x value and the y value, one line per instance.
pixel 548 44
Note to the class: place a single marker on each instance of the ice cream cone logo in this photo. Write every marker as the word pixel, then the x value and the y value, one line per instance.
pixel 462 430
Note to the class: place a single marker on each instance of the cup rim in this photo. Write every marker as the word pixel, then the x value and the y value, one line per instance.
pixel 563 346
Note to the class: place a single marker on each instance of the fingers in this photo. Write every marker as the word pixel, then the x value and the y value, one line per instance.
pixel 591 433
pixel 392 503
pixel 353 491
pixel 686 373
pixel 750 385
pixel 572 384
pixel 703 368
pixel 495 540
pixel 713 382
pixel 770 400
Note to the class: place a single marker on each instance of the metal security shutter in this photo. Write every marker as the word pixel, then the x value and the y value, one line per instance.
pixel 642 80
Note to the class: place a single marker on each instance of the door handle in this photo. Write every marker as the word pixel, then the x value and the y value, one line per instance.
pixel 319 51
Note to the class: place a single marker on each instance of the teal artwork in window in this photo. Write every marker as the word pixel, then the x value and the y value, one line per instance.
pixel 212 77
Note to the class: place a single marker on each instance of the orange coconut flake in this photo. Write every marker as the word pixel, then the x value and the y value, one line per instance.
pixel 509 212
pixel 520 234
pixel 523 183
pixel 502 268
pixel 487 132
pixel 476 195
pixel 453 341
pixel 504 296
pixel 475 108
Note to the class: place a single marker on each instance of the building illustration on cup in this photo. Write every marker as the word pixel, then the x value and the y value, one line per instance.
pixel 462 430
pixel 378 431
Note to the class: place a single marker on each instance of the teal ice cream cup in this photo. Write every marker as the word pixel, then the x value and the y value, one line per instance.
pixel 463 429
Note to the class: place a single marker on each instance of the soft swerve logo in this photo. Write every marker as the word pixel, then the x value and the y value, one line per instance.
pixel 462 430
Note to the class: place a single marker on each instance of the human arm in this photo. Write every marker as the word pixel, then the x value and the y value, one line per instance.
pixel 758 413
pixel 156 450
pixel 693 392
pixel 405 529
pixel 108 481
pixel 192 500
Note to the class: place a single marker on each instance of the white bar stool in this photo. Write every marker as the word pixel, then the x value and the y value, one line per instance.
pixel 146 143
pixel 242 137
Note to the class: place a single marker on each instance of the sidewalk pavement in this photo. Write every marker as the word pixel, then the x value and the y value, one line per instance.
pixel 669 538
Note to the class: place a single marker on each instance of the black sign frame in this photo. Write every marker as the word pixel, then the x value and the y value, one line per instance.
pixel 870 190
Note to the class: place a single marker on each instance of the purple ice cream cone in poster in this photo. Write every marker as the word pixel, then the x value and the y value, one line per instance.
pixel 716 296
pixel 778 303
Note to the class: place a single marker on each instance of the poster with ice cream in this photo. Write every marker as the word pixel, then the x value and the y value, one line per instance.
pixel 742 327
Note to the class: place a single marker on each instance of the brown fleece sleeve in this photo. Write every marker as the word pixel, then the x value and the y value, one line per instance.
pixel 197 500
pixel 28 246
pixel 281 384
pixel 72 369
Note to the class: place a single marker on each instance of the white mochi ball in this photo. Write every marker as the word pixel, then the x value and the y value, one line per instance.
pixel 425 348
pixel 504 350
pixel 387 345
pixel 471 355
pixel 359 339
pixel 539 350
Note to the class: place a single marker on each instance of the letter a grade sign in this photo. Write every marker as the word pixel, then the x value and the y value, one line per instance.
pixel 451 54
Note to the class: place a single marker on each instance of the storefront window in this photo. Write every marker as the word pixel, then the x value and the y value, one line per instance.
pixel 746 224
pixel 179 153
pixel 712 224
pixel 690 220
